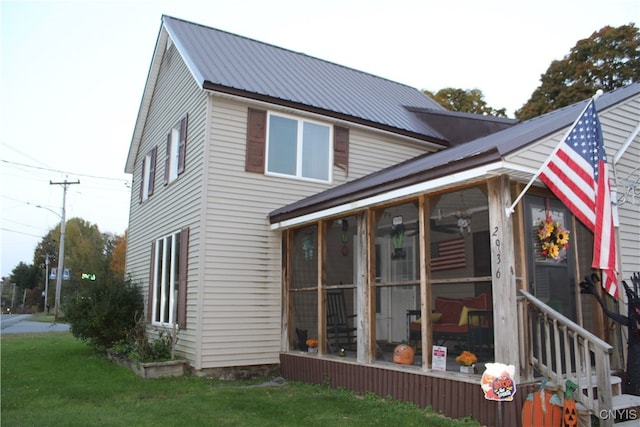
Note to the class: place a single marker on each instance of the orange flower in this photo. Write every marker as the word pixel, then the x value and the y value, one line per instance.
pixel 312 342
pixel 467 358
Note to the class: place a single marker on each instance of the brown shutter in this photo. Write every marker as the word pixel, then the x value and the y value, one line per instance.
pixel 142 183
pixel 182 148
pixel 256 140
pixel 151 283
pixel 183 266
pixel 152 169
pixel 341 148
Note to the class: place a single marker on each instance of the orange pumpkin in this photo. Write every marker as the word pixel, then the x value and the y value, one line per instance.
pixel 403 354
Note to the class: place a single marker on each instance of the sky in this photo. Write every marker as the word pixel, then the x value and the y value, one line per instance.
pixel 72 75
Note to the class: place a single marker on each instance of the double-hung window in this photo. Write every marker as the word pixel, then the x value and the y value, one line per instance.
pixel 176 151
pixel 148 174
pixel 298 148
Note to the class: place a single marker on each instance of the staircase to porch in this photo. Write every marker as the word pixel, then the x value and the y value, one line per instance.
pixel 559 350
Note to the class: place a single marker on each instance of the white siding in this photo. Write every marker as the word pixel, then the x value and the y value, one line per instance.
pixel 241 299
pixel 176 205
pixel 617 124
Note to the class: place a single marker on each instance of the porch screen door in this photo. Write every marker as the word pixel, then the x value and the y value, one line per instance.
pixel 550 280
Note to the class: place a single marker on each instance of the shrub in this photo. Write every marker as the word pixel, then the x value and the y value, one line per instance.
pixel 139 347
pixel 105 314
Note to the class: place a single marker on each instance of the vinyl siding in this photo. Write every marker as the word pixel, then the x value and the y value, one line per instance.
pixel 177 204
pixel 617 124
pixel 241 297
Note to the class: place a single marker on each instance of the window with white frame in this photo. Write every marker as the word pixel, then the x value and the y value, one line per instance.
pixel 176 151
pixel 166 279
pixel 298 148
pixel 148 174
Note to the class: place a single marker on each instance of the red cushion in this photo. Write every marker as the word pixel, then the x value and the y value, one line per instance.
pixel 450 309
pixel 450 328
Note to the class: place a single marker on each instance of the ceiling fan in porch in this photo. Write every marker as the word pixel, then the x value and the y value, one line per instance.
pixel 462 218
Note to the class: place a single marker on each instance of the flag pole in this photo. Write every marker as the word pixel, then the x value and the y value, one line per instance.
pixel 509 210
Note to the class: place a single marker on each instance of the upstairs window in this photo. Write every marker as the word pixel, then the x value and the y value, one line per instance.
pixel 148 174
pixel 176 151
pixel 298 148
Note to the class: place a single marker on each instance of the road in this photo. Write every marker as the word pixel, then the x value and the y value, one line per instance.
pixel 20 324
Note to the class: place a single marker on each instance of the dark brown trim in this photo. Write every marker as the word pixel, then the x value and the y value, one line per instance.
pixel 183 267
pixel 341 148
pixel 151 282
pixel 256 140
pixel 182 146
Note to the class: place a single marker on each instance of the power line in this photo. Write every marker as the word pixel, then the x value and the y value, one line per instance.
pixel 63 172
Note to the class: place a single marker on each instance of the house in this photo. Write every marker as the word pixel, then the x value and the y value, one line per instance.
pixel 274 193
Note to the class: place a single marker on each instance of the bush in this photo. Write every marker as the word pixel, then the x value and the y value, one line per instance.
pixel 139 347
pixel 106 314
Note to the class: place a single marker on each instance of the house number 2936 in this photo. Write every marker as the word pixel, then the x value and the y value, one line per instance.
pixel 498 258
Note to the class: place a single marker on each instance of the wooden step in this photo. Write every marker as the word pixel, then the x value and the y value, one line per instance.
pixel 626 401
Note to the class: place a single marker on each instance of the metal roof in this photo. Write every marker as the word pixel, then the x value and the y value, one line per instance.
pixel 226 62
pixel 482 151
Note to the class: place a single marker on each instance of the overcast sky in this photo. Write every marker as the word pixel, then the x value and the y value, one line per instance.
pixel 73 74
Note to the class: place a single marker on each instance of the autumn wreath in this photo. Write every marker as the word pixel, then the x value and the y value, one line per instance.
pixel 553 238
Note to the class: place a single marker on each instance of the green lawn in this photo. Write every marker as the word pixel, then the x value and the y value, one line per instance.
pixel 54 380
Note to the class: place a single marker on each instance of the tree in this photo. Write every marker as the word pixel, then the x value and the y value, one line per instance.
pixel 86 251
pixel 464 101
pixel 607 60
pixel 26 276
pixel 118 252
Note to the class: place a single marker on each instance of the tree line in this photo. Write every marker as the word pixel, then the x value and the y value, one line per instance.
pixel 99 256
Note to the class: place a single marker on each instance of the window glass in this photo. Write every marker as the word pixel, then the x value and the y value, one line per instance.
pixel 173 154
pixel 165 279
pixel 298 148
pixel 282 145
pixel 315 151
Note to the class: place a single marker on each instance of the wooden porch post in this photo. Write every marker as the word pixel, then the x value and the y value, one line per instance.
pixel 503 270
pixel 362 289
pixel 287 304
pixel 424 212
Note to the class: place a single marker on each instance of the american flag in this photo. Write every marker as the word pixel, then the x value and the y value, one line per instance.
pixel 578 175
pixel 448 255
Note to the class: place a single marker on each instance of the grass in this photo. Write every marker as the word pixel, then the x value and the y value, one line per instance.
pixel 54 380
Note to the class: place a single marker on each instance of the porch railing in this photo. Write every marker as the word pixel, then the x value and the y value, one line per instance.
pixel 561 350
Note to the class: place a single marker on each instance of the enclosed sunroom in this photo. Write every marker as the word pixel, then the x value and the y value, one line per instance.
pixel 426 253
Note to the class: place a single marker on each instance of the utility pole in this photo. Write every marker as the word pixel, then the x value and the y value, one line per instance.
pixel 46 282
pixel 63 226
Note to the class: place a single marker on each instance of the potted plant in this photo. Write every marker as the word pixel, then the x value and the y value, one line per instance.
pixel 312 344
pixel 467 361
